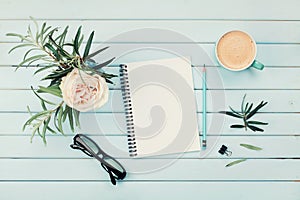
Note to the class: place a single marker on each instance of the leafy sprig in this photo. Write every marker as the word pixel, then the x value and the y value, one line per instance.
pixel 251 147
pixel 245 114
pixel 247 146
pixel 48 49
pixel 235 162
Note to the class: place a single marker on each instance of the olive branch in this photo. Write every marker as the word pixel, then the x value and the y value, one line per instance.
pixel 245 114
pixel 48 50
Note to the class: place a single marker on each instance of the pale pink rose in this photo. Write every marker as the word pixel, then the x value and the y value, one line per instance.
pixel 84 92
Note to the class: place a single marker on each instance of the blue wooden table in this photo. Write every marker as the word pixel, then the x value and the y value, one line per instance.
pixel 31 170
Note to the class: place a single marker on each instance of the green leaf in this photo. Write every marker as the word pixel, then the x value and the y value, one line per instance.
pixel 32 59
pixel 55 119
pixel 47 35
pixel 35 129
pixel 43 105
pixel 254 128
pixel 237 126
pixel 246 107
pixel 35 117
pixel 36 27
pixel 29 31
pixel 242 105
pixel 51 130
pixel 54 51
pixel 257 123
pixel 70 116
pixel 65 114
pixel 62 36
pixel 15 35
pixel 80 42
pixel 258 107
pixel 248 146
pixel 68 44
pixel 54 90
pixel 235 112
pixel 235 162
pixel 59 48
pixel 109 81
pixel 76 41
pixel 44 68
pixel 230 114
pixel 76 116
pixel 249 109
pixel 46 124
pixel 35 60
pixel 36 94
pixel 20 46
pixel 30 50
pixel 59 120
pixel 28 110
pixel 42 32
pixel 109 75
pixel 58 74
pixel 19 36
pixel 95 53
pixel 103 64
pixel 88 46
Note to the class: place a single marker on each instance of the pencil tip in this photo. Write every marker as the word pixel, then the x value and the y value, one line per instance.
pixel 204 143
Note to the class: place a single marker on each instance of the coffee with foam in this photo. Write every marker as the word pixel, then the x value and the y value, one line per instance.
pixel 236 50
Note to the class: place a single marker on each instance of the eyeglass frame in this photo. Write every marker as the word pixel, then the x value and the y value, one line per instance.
pixel 79 144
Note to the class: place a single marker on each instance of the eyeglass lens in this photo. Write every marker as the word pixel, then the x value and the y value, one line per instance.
pixel 92 145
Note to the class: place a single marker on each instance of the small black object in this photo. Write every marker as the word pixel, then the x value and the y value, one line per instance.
pixel 223 150
pixel 115 170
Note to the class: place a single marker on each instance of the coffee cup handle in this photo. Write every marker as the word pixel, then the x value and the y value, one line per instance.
pixel 257 65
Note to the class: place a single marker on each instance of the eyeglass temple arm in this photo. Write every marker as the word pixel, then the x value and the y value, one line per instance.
pixel 112 178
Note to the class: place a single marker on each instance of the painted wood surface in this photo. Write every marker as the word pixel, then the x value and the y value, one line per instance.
pixel 56 171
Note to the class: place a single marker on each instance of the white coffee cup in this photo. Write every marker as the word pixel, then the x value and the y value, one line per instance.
pixel 236 51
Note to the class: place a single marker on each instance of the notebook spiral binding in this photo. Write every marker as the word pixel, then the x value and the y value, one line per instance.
pixel 128 110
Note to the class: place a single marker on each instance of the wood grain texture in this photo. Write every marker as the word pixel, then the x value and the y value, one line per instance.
pixel 58 147
pixel 146 190
pixel 161 170
pixel 33 170
pixel 274 55
pixel 199 31
pixel 114 124
pixel 218 100
pixel 217 78
pixel 187 10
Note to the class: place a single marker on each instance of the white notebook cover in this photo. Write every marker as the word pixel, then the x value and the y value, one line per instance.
pixel 163 107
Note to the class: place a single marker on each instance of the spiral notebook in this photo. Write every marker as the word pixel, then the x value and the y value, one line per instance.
pixel 160 107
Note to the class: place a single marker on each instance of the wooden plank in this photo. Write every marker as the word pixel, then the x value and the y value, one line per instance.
pixel 266 10
pixel 58 147
pixel 114 124
pixel 200 31
pixel 150 170
pixel 269 54
pixel 217 78
pixel 150 190
pixel 33 174
pixel 269 78
pixel 218 100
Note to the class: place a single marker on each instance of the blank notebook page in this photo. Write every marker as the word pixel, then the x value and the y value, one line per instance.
pixel 163 107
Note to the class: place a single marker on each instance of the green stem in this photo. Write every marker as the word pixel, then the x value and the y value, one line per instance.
pixel 245 122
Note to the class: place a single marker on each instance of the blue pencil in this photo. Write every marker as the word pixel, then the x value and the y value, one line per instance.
pixel 204 108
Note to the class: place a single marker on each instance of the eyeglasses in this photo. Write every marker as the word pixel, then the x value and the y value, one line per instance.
pixel 90 148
